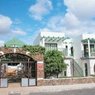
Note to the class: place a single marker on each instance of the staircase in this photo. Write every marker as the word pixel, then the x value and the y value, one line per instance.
pixel 77 69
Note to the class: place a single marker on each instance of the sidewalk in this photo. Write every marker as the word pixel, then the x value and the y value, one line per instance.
pixel 27 90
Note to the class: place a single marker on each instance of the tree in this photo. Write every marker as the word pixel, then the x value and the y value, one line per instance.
pixel 34 49
pixel 54 63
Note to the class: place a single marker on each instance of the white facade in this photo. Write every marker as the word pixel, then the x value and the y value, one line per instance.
pixel 88 45
pixel 69 69
pixel 79 52
pixel 57 41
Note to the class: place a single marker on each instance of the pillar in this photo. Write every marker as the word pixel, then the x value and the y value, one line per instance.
pixel 40 69
pixel 89 53
pixel 69 50
pixel 43 41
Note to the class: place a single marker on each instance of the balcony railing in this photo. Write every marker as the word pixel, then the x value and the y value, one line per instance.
pixel 92 54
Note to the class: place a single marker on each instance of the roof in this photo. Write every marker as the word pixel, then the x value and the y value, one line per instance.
pixel 51 34
pixel 14 42
pixel 54 39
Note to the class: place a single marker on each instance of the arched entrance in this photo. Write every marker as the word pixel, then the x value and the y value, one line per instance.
pixel 17 67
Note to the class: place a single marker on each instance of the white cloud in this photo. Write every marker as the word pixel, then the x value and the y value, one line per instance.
pixel 40 8
pixel 70 25
pixel 68 21
pixel 5 24
pixel 19 32
pixel 83 9
pixel 77 20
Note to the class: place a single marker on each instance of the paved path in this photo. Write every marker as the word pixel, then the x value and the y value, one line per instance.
pixel 37 89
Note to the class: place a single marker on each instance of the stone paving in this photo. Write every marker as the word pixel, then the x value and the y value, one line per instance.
pixel 36 89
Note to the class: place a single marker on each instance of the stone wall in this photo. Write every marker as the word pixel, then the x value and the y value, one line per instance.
pixel 65 81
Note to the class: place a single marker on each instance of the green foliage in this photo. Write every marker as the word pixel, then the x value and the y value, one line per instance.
pixel 34 49
pixel 54 63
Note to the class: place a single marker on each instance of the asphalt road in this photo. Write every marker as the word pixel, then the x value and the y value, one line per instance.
pixel 71 92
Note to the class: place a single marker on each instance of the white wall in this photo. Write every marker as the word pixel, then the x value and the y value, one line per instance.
pixel 85 36
pixel 68 62
pixel 52 34
pixel 77 48
pixel 92 63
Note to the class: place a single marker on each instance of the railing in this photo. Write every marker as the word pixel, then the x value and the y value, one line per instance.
pixel 93 54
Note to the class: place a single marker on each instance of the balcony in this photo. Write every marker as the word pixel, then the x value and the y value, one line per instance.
pixel 92 54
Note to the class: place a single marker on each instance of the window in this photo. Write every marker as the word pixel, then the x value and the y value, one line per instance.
pixel 65 73
pixel 51 46
pixel 94 68
pixel 72 51
pixel 85 50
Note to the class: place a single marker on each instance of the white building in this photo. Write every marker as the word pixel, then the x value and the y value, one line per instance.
pixel 84 54
pixel 79 52
pixel 88 54
pixel 57 41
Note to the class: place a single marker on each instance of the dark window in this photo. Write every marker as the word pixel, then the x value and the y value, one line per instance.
pixel 72 52
pixel 94 68
pixel 51 46
pixel 86 69
pixel 65 73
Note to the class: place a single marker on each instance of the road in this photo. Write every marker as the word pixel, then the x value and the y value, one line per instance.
pixel 71 92
pixel 75 89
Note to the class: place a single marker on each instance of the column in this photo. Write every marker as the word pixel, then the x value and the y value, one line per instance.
pixel 43 42
pixel 82 48
pixel 69 50
pixel 89 53
pixel 40 69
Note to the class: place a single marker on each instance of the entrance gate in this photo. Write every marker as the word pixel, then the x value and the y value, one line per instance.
pixel 16 67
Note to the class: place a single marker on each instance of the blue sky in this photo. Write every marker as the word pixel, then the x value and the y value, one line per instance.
pixel 24 19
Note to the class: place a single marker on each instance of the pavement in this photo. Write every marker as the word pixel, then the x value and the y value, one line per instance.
pixel 70 92
pixel 16 88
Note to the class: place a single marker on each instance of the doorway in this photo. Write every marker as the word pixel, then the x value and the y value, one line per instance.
pixel 86 69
